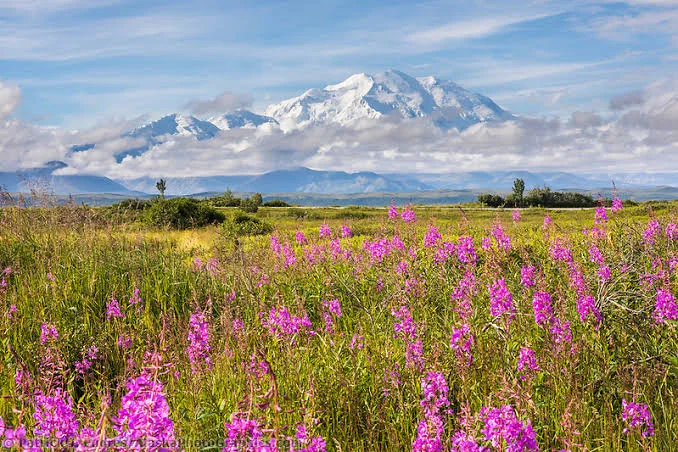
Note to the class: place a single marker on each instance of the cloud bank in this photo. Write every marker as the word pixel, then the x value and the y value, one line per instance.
pixel 639 133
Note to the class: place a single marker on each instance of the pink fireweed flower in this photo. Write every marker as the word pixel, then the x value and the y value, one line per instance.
pixel 143 421
pixel 671 231
pixel 136 299
pixel 11 311
pixel 289 255
pixel 651 231
pixel 406 327
pixel 600 215
pixel 560 252
pixel 51 277
pixel 83 366
pixel 408 215
pixel 435 390
pixel 48 332
pixel 315 444
pixel 281 323
pixel 638 418
pixel 595 255
pixel 392 211
pixel 54 416
pixel 515 216
pixel 461 343
pixel 358 342
pixel 503 240
pixel 502 426
pixel 113 309
pixel 665 307
pixel 434 403
pixel 501 300
pixel 541 305
pixel 124 341
pixel 333 308
pixel 466 253
pixel 198 339
pixel 444 252
pixel 616 205
pixel 325 231
pixel 257 369
pixel 586 305
pixel 527 275
pixel 604 273
pixel 463 294
pixel 275 245
pixel 560 331
pixel 346 231
pixel 527 362
pixel 414 355
pixel 432 236
pixel 300 238
pixel 486 243
pixel 401 268
pixel 246 435
pixel 547 222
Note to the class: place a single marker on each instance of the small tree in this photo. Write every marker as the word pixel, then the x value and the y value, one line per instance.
pixel 257 199
pixel 161 185
pixel 518 191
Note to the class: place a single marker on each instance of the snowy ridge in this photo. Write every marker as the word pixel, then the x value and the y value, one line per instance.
pixel 387 93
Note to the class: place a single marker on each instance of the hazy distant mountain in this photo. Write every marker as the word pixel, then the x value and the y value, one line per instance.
pixel 22 181
pixel 294 180
pixel 386 93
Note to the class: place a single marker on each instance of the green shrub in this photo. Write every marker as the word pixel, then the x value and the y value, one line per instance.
pixel 242 224
pixel 303 214
pixel 181 213
pixel 276 203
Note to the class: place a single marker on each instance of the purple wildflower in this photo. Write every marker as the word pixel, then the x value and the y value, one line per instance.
pixel 502 425
pixel 198 338
pixel 432 236
pixel 665 307
pixel 515 216
pixel 527 361
pixel 671 231
pixel 541 305
pixel 503 240
pixel 113 309
pixel 461 343
pixel 637 417
pixel 616 205
pixel 465 250
pixel 651 231
pixel 346 231
pixel 586 305
pixel 48 332
pixel 54 417
pixel 143 421
pixel 408 215
pixel 601 215
pixel 501 300
pixel 300 238
pixel 325 231
pixel 527 275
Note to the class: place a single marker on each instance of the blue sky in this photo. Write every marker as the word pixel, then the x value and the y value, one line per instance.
pixel 78 65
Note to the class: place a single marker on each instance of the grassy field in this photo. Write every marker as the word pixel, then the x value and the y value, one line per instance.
pixel 466 329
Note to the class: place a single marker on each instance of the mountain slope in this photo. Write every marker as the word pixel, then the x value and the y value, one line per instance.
pixel 241 119
pixel 388 93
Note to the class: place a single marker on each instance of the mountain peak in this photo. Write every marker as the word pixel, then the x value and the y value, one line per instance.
pixel 365 96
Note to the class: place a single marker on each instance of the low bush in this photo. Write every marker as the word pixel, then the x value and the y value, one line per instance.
pixel 181 213
pixel 242 224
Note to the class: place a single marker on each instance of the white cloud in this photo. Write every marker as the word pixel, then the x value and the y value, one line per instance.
pixel 10 97
pixel 223 103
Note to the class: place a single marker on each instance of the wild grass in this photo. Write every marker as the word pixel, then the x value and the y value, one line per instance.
pixel 352 382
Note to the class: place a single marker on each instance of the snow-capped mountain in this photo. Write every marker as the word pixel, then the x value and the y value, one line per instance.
pixel 241 119
pixel 177 124
pixel 387 93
